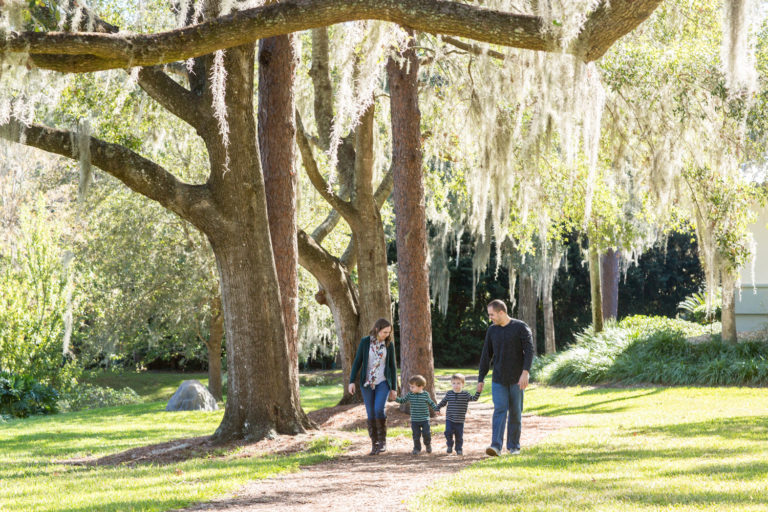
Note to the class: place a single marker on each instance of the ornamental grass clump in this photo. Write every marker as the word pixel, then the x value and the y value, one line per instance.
pixel 655 350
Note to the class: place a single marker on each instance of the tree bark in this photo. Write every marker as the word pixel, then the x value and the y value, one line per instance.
pixel 213 344
pixel 528 303
pixel 277 130
pixel 728 313
pixel 609 283
pixel 262 390
pixel 85 52
pixel 411 224
pixel 594 285
pixel 550 347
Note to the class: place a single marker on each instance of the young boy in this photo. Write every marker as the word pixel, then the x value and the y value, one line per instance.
pixel 420 403
pixel 457 401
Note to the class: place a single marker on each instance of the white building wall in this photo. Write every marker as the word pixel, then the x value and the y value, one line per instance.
pixel 752 302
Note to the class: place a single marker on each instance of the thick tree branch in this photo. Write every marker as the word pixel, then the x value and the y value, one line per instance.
pixel 385 189
pixel 175 98
pixel 310 165
pixel 190 202
pixel 473 48
pixel 321 82
pixel 608 23
pixel 325 227
pixel 604 26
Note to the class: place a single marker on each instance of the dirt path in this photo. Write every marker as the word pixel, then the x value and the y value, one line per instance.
pixel 356 480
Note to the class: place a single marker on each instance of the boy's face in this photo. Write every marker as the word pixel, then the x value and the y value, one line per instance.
pixel 457 385
pixel 415 388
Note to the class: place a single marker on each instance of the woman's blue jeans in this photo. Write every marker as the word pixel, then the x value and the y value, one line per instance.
pixel 375 400
pixel 507 399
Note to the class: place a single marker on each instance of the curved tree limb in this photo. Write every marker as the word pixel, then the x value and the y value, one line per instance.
pixel 104 51
pixel 190 202
pixel 310 165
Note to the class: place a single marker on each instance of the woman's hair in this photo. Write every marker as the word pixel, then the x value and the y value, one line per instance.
pixel 381 323
pixel 418 380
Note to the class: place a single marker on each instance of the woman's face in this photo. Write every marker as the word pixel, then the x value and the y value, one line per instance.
pixel 384 333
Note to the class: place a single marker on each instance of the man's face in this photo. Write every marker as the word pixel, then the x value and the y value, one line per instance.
pixel 494 316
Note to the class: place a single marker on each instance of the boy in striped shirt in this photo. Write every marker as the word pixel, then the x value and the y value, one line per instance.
pixel 457 401
pixel 420 404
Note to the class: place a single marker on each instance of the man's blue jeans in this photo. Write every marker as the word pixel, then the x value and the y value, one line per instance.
pixel 375 400
pixel 507 399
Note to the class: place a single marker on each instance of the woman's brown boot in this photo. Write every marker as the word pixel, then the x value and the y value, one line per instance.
pixel 373 434
pixel 381 430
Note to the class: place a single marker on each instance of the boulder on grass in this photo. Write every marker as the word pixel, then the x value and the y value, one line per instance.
pixel 192 396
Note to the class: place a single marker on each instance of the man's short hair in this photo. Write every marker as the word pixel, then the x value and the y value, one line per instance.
pixel 418 380
pixel 458 376
pixel 498 305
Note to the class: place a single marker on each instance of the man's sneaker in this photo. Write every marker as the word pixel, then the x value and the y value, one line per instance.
pixel 429 448
pixel 415 452
pixel 449 449
pixel 493 452
pixel 459 452
pixel 514 451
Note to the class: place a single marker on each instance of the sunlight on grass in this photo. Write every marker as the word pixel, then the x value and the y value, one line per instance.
pixel 30 474
pixel 635 449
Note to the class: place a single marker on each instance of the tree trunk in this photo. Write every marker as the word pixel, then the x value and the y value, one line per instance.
pixel 549 320
pixel 262 390
pixel 728 313
pixel 411 224
pixel 528 303
pixel 277 130
pixel 594 284
pixel 215 338
pixel 609 283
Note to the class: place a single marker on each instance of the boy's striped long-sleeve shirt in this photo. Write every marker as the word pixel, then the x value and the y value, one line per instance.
pixel 457 405
pixel 420 403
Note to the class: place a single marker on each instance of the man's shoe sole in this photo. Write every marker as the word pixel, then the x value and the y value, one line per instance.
pixel 490 451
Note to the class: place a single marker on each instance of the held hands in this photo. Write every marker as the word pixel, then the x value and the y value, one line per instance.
pixel 523 382
pixel 480 387
pixel 392 395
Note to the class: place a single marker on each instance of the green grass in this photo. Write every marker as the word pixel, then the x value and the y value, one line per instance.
pixel 151 386
pixel 31 478
pixel 643 449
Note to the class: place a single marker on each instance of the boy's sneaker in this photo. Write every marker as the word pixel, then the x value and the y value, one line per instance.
pixel 493 452
pixel 415 452
pixel 450 449
pixel 429 448
pixel 459 452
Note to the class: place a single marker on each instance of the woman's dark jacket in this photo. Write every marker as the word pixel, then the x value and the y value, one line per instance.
pixel 361 364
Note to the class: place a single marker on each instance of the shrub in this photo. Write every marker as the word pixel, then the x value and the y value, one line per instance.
pixel 90 396
pixel 655 350
pixel 694 308
pixel 22 396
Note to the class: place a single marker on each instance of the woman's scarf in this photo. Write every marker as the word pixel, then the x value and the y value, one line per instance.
pixel 379 350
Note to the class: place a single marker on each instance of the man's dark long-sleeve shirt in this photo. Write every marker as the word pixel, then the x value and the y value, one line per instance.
pixel 511 350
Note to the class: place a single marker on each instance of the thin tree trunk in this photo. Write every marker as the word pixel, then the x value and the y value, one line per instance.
pixel 277 130
pixel 549 321
pixel 213 344
pixel 609 283
pixel 728 313
pixel 594 284
pixel 528 303
pixel 411 225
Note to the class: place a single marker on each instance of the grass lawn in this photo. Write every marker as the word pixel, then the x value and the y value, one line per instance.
pixel 642 449
pixel 30 479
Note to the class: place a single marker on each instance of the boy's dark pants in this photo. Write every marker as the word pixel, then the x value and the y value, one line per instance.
pixel 454 429
pixel 419 429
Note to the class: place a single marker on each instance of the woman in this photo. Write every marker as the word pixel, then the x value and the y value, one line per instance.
pixel 375 364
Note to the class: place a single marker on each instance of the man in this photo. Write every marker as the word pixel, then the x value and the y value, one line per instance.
pixel 509 346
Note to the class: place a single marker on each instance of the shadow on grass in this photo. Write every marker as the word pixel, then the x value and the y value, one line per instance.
pixel 750 428
pixel 592 407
